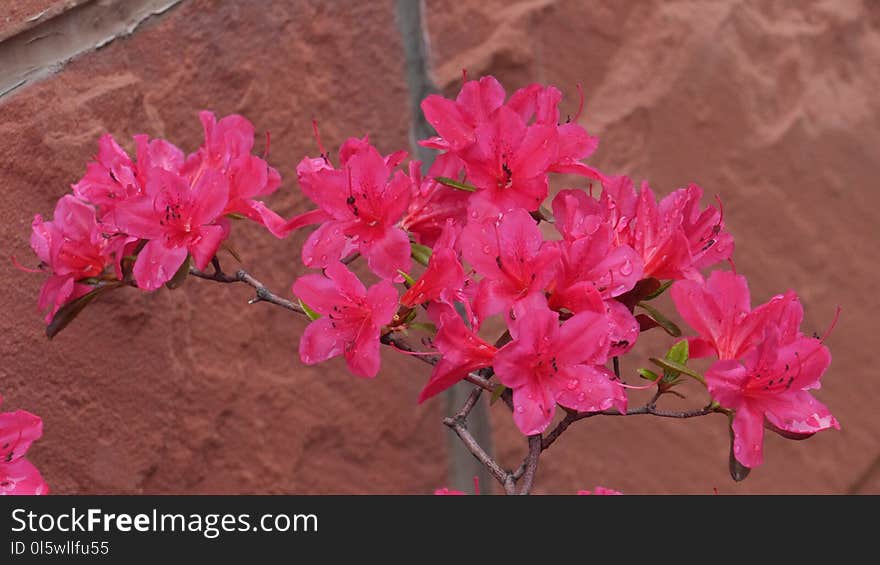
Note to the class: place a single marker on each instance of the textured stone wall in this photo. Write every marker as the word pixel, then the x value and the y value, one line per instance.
pixel 771 105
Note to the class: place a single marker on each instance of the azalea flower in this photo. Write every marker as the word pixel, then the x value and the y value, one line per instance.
pixel 444 278
pixel 227 149
pixel 113 177
pixel 462 350
pixel 770 385
pixel 72 247
pixel 177 219
pixel 359 209
pixel 674 238
pixel 719 309
pixel 766 365
pixel 351 318
pixel 547 363
pixel 18 430
pixel 513 258
pixel 433 204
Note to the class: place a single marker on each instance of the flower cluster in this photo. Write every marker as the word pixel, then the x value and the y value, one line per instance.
pixel 18 430
pixel 142 221
pixel 535 300
pixel 564 283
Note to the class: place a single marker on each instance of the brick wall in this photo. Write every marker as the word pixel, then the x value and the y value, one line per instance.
pixel 771 105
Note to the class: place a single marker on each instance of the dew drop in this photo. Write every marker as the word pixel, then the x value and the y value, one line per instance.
pixel 487 249
pixel 581 396
pixel 520 409
pixel 572 384
pixel 627 268
pixel 736 448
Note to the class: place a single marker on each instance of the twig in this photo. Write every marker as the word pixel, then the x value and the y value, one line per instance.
pixel 648 409
pixel 531 463
pixel 263 294
pixel 459 426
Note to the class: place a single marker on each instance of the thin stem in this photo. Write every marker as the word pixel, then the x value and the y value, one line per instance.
pixel 531 463
pixel 263 294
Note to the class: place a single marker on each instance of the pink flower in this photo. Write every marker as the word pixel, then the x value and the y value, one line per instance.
pixel 227 149
pixel 18 430
pixel 674 238
pixel 463 351
pixel 456 121
pixel 72 247
pixel 509 161
pixel 766 365
pixel 546 364
pixel 770 386
pixel 359 208
pixel 351 318
pixel 177 218
pixel 433 203
pixel 601 491
pixel 513 258
pixel 719 309
pixel 574 144
pixel 506 154
pixel 444 279
pixel 113 177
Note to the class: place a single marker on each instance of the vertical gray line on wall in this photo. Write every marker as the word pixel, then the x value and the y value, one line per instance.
pixel 410 22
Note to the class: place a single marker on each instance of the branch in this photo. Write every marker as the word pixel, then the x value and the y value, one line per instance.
pixel 530 464
pixel 648 409
pixel 263 294
pixel 458 424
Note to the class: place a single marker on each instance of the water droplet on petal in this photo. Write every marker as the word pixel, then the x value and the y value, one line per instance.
pixel 487 249
pixel 581 396
pixel 736 448
pixel 572 384
pixel 520 409
pixel 627 268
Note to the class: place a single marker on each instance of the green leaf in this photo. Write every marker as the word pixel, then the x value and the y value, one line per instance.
pixel 312 315
pixel 421 253
pixel 426 327
pixel 678 367
pixel 72 309
pixel 180 276
pixel 452 183
pixel 678 352
pixel 648 374
pixel 409 280
pixel 660 290
pixel 664 322
pixel 496 393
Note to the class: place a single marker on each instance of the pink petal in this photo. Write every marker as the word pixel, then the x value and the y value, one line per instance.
pixel 533 408
pixel 748 436
pixel 388 254
pixel 347 283
pixel 446 118
pixel 18 430
pixel 210 193
pixel 588 388
pixel 321 341
pixel 725 380
pixel 206 246
pixel 363 355
pixel 382 299
pixel 157 263
pixel 799 412
pixel 583 338
pixel 20 477
pixel 325 245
